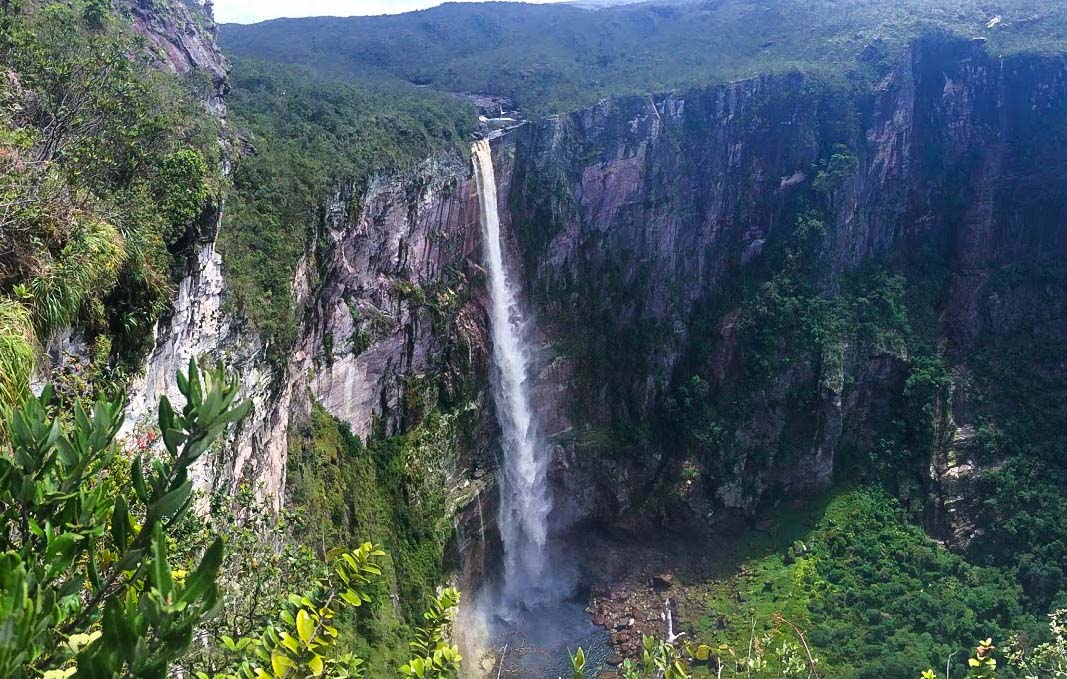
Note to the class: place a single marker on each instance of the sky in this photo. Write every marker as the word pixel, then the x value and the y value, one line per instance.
pixel 250 11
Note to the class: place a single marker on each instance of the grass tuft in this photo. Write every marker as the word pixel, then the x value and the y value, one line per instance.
pixel 17 357
pixel 88 264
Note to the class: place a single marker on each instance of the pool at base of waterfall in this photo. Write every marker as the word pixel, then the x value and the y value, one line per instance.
pixel 539 642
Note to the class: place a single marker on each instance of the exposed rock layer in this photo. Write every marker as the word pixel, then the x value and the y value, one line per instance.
pixel 635 217
pixel 630 220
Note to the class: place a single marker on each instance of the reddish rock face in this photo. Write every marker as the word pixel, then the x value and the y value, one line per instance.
pixel 185 38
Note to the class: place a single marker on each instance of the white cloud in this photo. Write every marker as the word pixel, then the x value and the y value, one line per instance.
pixel 250 11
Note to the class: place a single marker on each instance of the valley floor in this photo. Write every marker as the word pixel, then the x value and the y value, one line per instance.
pixel 872 594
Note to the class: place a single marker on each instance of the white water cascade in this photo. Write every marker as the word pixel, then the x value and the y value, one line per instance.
pixel 525 500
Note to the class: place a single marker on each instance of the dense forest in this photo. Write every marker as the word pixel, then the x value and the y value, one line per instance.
pixel 555 59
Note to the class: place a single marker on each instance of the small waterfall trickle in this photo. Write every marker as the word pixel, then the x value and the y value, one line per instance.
pixel 668 617
pixel 525 500
pixel 481 521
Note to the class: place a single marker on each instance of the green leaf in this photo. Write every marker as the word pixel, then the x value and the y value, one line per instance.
pixel 280 663
pixel 203 579
pixel 120 523
pixel 169 504
pixel 305 626
pixel 60 552
pixel 130 560
pixel 239 412
pixel 290 643
pixel 316 665
pixel 160 569
pixel 138 480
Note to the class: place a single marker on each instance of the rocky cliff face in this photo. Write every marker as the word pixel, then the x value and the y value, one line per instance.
pixel 646 221
pixel 198 326
pixel 184 38
pixel 396 302
pixel 392 327
pixel 395 336
pixel 699 264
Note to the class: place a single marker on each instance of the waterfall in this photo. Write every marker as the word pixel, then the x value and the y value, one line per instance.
pixel 525 500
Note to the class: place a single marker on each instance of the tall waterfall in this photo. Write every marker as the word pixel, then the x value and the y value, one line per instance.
pixel 525 500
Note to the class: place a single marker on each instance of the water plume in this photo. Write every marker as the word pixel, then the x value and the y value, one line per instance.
pixel 525 499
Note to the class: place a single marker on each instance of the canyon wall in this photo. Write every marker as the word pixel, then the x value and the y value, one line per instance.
pixel 652 227
pixel 390 327
pixel 652 233
pixel 199 324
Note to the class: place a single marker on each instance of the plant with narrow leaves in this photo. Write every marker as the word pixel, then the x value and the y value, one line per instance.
pixel 434 657
pixel 86 586
pixel 578 664
pixel 17 357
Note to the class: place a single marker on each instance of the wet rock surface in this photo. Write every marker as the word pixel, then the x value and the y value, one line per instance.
pixel 632 580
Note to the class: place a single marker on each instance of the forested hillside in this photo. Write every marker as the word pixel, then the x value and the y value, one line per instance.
pixel 558 58
pixel 745 333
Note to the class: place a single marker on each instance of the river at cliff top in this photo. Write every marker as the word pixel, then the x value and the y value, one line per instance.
pixel 540 640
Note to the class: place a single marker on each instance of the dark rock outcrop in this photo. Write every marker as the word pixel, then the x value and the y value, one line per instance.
pixel 638 215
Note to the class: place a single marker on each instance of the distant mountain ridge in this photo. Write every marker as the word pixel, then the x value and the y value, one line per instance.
pixel 601 4
pixel 558 57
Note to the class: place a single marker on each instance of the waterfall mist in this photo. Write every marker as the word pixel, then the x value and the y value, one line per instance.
pixel 525 499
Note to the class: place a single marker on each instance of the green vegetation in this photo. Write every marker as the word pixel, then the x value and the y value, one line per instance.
pixel 106 165
pixel 793 326
pixel 1020 388
pixel 875 596
pixel 310 138
pixel 1043 660
pixel 783 652
pixel 86 584
pixel 552 59
pixel 1025 501
pixel 17 355
pixel 182 190
pixel 87 588
pixel 109 169
pixel 391 491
